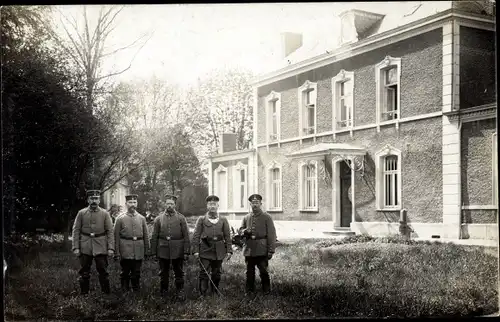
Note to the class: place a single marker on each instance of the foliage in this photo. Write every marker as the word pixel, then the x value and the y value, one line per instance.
pixel 221 103
pixel 46 137
pixel 350 280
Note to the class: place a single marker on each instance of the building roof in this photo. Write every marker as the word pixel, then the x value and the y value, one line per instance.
pixel 328 148
pixel 324 37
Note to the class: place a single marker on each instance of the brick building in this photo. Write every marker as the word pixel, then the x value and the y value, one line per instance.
pixel 400 114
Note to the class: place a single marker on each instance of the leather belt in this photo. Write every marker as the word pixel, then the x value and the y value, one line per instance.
pixel 255 237
pixel 170 238
pixel 131 238
pixel 216 238
pixel 93 234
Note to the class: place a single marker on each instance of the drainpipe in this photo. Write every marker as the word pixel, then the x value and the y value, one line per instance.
pixel 460 176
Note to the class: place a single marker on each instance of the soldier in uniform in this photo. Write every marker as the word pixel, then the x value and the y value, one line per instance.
pixel 132 244
pixel 260 234
pixel 170 243
pixel 93 240
pixel 211 244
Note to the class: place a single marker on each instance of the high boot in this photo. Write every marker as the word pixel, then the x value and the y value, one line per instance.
pixel 164 288
pixel 84 286
pixel 203 287
pixel 135 284
pixel 105 287
pixel 214 287
pixel 179 286
pixel 125 284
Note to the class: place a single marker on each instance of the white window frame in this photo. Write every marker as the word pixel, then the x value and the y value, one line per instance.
pixel 304 129
pixel 223 206
pixel 380 157
pixel 271 137
pixel 237 186
pixel 269 184
pixel 301 195
pixel 342 77
pixel 495 169
pixel 381 104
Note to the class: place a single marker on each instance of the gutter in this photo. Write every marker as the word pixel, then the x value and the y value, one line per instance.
pixel 360 47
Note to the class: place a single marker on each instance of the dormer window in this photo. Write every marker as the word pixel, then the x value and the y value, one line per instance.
pixel 358 24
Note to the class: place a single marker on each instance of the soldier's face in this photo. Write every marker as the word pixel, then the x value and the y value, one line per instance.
pixel 132 205
pixel 170 205
pixel 256 204
pixel 212 206
pixel 94 200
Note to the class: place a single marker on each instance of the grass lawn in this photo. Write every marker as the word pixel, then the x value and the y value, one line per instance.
pixel 352 278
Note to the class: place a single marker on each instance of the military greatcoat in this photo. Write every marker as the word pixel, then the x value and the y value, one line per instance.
pixel 93 232
pixel 131 236
pixel 212 241
pixel 262 240
pixel 170 238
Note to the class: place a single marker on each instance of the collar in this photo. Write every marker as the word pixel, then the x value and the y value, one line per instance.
pixel 131 214
pixel 210 217
pixel 166 213
pixel 92 210
pixel 255 214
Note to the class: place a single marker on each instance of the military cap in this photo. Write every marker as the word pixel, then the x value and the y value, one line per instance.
pixel 212 198
pixel 93 193
pixel 171 197
pixel 131 197
pixel 255 196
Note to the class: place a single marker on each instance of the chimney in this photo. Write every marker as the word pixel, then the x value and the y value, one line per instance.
pixel 290 42
pixel 228 142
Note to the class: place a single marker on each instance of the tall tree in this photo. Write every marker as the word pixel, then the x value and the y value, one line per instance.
pixel 86 44
pixel 221 103
pixel 45 133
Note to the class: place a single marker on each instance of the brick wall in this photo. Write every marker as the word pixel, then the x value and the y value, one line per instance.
pixel 477 67
pixel 477 162
pixel 420 144
pixel 421 85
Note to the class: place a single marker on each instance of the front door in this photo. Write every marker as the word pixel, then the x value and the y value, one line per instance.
pixel 345 197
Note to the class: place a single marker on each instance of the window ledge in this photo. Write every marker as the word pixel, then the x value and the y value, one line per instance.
pixel 273 142
pixel 275 210
pixel 309 210
pixel 389 209
pixel 389 122
pixel 308 136
pixel 344 129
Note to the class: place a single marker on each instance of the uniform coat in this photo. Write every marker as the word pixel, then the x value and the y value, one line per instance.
pixel 96 222
pixel 128 226
pixel 210 248
pixel 170 238
pixel 261 226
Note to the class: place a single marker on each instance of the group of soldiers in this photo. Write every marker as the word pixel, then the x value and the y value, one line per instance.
pixel 95 238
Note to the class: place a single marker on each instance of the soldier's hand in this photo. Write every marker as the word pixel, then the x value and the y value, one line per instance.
pixel 196 255
pixel 229 256
pixel 110 252
pixel 76 252
pixel 270 255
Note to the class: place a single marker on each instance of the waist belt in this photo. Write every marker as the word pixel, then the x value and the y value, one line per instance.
pixel 255 237
pixel 131 238
pixel 93 234
pixel 170 238
pixel 215 238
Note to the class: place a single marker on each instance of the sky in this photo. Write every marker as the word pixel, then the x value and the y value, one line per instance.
pixel 189 40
